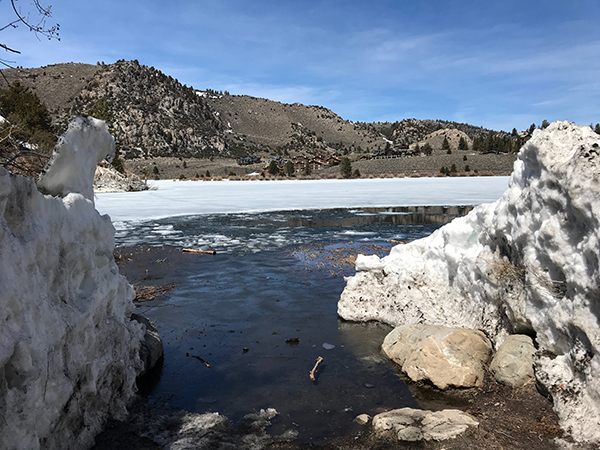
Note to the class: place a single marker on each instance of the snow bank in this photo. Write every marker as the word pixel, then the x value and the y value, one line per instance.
pixel 68 351
pixel 72 166
pixel 527 263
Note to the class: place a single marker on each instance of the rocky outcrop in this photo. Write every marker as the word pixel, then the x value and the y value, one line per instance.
pixel 512 364
pixel 409 424
pixel 446 357
pixel 109 180
pixel 527 263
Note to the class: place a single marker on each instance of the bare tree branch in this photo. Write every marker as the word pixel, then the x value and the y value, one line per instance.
pixel 39 27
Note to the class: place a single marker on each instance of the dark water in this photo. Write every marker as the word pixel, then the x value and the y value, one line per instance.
pixel 263 309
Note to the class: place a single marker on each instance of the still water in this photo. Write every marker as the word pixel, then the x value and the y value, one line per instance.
pixel 263 309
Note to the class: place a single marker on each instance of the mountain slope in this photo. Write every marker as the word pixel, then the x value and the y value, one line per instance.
pixel 153 115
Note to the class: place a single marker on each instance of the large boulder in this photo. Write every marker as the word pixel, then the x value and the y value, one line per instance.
pixel 528 263
pixel 409 424
pixel 447 357
pixel 512 364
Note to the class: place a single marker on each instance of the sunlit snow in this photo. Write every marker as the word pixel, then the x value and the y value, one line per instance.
pixel 178 198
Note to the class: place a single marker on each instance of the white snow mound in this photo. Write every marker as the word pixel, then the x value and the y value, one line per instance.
pixel 68 351
pixel 527 263
pixel 72 166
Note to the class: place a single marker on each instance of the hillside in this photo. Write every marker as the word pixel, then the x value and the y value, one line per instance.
pixel 152 115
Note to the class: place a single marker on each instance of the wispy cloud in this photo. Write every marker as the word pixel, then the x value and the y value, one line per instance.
pixel 487 63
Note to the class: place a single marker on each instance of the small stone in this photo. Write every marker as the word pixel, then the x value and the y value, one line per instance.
pixel 328 346
pixel 362 419
pixel 409 424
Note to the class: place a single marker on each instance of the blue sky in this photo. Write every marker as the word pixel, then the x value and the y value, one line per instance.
pixel 496 64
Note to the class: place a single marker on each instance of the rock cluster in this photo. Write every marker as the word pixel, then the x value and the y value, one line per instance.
pixel 409 424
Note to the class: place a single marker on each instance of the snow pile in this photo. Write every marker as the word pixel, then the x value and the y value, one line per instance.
pixel 73 163
pixel 527 263
pixel 68 351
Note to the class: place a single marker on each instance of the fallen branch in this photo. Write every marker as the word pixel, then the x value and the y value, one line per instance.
pixel 397 242
pixel 199 359
pixel 312 372
pixel 207 252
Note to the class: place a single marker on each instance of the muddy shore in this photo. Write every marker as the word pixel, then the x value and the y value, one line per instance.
pixel 508 418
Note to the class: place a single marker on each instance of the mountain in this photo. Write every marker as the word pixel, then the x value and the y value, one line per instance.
pixel 154 115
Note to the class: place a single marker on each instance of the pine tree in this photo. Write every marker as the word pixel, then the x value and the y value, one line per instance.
pixel 446 146
pixel 462 144
pixel 346 168
pixel 273 168
pixel 306 169
pixel 289 168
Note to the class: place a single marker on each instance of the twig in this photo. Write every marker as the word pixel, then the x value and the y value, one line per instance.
pixel 199 359
pixel 312 372
pixel 191 250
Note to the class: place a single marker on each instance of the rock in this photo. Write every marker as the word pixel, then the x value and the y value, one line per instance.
pixel 362 419
pixel 106 179
pixel 151 348
pixel 512 364
pixel 409 424
pixel 442 355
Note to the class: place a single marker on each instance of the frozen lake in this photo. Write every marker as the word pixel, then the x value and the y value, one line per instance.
pixel 178 198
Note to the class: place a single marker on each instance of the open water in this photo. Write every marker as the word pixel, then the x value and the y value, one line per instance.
pixel 262 310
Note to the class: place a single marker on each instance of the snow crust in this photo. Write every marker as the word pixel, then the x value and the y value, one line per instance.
pixel 68 350
pixel 527 263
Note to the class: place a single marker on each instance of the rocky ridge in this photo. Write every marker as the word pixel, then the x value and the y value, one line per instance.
pixel 153 115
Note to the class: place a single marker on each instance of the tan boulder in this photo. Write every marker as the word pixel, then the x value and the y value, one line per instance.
pixel 442 355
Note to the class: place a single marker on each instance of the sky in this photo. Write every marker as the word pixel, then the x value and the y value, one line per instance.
pixel 496 64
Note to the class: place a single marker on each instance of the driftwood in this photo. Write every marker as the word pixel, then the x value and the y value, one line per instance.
pixel 312 372
pixel 207 252
pixel 397 242
pixel 147 293
pixel 199 359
